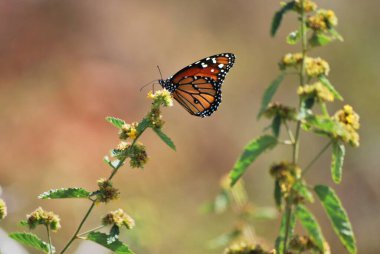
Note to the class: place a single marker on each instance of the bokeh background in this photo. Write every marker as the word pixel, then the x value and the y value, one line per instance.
pixel 66 65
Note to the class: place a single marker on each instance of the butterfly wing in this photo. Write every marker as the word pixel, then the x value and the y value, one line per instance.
pixel 197 87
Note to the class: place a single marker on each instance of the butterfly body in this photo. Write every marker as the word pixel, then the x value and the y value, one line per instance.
pixel 197 87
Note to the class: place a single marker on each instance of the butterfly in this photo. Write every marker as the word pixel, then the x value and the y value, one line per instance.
pixel 197 87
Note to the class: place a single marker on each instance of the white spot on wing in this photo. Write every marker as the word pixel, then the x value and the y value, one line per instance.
pixel 221 65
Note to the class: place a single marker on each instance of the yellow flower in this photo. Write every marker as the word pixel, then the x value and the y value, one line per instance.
pixel 118 218
pixel 42 217
pixel 316 90
pixel 3 209
pixel 316 67
pixel 161 97
pixel 350 122
pixel 323 20
pixel 309 6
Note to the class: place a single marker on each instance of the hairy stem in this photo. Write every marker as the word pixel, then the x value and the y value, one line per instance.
pixel 296 144
pixel 114 171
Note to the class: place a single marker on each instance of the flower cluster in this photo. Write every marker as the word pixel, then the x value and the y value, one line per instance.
pixel 308 6
pixel 322 21
pixel 128 131
pixel 161 98
pixel 3 209
pixel 286 174
pixel 118 218
pixel 301 244
pixel 314 66
pixel 317 91
pixel 41 217
pixel 349 119
pixel 244 248
pixel 138 156
pixel 276 109
pixel 106 191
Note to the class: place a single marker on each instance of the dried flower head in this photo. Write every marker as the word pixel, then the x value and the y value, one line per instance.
pixel 317 91
pixel 286 174
pixel 42 217
pixel 106 191
pixel 277 109
pixel 350 122
pixel 303 244
pixel 138 156
pixel 323 20
pixel 118 218
pixel 3 209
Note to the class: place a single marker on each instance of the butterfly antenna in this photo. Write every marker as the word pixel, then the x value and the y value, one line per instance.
pixel 147 84
pixel 159 70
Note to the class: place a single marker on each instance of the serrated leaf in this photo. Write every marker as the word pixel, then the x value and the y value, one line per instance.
pixel 277 19
pixel 338 217
pixel 338 152
pixel 118 123
pixel 269 93
pixel 325 82
pixel 279 244
pixel 320 39
pixel 116 246
pixel 293 37
pixel 250 154
pixel 32 240
pixel 276 125
pixel 65 193
pixel 312 227
pixel 164 138
pixel 277 194
pixel 302 190
pixel 323 125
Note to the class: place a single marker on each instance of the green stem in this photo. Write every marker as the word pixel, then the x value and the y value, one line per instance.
pixel 311 163
pixel 91 230
pixel 324 109
pixel 75 235
pixel 49 239
pixel 302 77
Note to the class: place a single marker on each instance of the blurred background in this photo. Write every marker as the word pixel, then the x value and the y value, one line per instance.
pixel 66 65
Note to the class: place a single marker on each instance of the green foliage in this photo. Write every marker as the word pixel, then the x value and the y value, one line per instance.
pixel 276 125
pixel 224 239
pixel 293 37
pixel 250 154
pixel 277 19
pixel 269 93
pixel 164 138
pixel 118 123
pixel 31 240
pixel 280 241
pixel 311 225
pixel 338 152
pixel 116 246
pixel 320 39
pixel 277 194
pixel 338 216
pixel 301 188
pixel 330 87
pixel 65 193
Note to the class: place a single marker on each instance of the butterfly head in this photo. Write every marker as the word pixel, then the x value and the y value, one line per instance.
pixel 167 84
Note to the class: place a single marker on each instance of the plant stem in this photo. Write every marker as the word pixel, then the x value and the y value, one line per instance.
pixel 91 230
pixel 311 163
pixel 49 239
pixel 302 76
pixel 114 171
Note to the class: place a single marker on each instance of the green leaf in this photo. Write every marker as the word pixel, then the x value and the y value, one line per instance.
pixel 302 190
pixel 118 123
pixel 338 152
pixel 116 246
pixel 266 213
pixel 330 87
pixel 145 123
pixel 31 240
pixel 269 93
pixel 65 193
pixel 164 138
pixel 336 35
pixel 277 194
pixel 279 245
pixel 320 39
pixel 276 22
pixel 276 125
pixel 224 239
pixel 338 217
pixel 312 227
pixel 293 37
pixel 250 154
pixel 323 125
